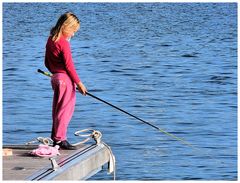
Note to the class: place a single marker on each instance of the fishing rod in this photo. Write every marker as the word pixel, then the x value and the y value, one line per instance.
pixel 148 123
pixel 143 121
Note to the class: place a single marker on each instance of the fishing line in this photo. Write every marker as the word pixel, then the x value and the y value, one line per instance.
pixel 146 122
pixel 159 129
pixel 143 121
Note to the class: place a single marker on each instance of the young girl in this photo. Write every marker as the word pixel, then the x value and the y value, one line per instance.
pixel 58 60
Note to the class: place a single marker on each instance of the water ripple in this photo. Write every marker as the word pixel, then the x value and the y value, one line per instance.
pixel 177 70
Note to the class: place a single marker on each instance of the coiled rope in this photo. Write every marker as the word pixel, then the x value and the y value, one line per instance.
pixel 43 140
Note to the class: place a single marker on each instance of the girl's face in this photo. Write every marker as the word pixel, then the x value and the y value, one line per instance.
pixel 69 32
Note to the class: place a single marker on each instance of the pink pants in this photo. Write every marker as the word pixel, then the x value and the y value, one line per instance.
pixel 63 105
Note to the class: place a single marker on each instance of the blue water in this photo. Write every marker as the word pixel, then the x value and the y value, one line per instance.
pixel 172 64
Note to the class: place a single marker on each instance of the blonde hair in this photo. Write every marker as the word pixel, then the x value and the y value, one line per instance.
pixel 68 21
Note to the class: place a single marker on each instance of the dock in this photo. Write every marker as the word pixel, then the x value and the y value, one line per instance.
pixel 78 164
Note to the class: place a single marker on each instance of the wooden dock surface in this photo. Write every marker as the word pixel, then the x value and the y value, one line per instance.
pixel 73 164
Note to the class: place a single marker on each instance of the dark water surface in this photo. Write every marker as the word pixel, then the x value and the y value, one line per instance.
pixel 172 64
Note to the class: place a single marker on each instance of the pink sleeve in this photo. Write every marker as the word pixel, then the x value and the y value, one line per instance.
pixel 67 58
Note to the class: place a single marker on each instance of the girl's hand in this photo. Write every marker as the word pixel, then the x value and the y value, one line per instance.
pixel 82 89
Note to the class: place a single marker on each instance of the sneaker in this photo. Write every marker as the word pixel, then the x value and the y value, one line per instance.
pixel 64 145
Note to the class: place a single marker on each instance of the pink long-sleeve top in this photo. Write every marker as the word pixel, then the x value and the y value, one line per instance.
pixel 58 58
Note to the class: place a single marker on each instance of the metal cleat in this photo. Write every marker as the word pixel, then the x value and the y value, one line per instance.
pixel 54 164
pixel 97 135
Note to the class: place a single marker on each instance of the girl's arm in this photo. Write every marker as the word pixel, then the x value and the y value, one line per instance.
pixel 71 68
pixel 68 61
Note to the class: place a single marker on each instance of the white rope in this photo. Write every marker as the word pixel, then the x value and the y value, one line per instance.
pixel 96 135
pixel 78 133
pixel 112 161
pixel 43 140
